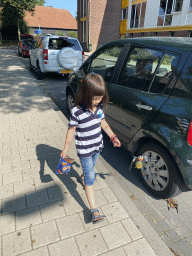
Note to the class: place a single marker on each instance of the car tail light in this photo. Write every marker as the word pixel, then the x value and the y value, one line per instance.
pixel 45 54
pixel 83 56
pixel 189 135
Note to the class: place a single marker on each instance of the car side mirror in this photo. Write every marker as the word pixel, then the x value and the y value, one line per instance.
pixel 80 74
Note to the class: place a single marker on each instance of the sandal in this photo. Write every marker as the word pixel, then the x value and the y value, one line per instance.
pixel 94 217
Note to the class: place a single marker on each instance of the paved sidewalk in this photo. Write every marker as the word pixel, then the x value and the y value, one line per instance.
pixel 46 214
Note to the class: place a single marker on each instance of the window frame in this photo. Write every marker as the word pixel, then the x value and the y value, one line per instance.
pixel 171 79
pixel 131 47
pixel 126 14
pixel 135 15
pixel 190 5
pixel 83 7
pixel 173 12
pixel 118 63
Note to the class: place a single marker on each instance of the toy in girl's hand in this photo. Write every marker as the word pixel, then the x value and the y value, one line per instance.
pixel 64 165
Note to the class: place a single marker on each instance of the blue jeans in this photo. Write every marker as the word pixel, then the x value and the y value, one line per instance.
pixel 88 164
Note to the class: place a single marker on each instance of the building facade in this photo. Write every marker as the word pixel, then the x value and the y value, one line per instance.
pixel 105 20
pixel 159 18
pixel 100 21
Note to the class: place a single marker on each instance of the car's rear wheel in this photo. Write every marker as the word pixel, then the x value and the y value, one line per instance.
pixel 70 100
pixel 160 173
pixel 40 74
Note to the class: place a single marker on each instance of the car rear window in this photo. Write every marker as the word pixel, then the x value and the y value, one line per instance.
pixel 59 43
pixel 28 42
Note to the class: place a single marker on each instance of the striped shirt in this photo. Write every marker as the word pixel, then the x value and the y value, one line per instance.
pixel 88 135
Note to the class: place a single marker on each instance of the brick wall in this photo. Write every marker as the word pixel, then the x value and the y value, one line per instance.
pixel 184 33
pixel 104 20
pixel 164 33
pixel 108 29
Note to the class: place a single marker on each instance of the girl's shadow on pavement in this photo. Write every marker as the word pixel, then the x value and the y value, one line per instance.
pixel 50 156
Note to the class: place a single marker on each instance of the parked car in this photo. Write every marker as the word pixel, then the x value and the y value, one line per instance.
pixel 58 54
pixel 25 46
pixel 26 36
pixel 149 82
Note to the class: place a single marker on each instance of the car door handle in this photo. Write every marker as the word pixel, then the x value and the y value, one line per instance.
pixel 139 105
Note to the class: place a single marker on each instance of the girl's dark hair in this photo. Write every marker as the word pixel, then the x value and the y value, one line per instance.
pixel 92 85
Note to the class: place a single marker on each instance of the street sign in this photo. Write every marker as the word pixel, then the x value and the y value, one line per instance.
pixel 39 31
pixel 36 32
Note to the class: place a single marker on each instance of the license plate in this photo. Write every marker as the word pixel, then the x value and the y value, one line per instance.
pixel 65 71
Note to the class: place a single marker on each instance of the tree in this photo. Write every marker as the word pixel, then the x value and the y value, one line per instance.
pixel 40 2
pixel 59 33
pixel 72 34
pixel 12 13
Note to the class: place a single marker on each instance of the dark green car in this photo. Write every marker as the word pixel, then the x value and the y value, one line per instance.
pixel 149 82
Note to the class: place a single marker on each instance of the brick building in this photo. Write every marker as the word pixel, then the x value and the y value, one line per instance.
pixel 100 21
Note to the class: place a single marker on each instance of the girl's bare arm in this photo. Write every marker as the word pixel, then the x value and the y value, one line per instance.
pixel 69 137
pixel 106 128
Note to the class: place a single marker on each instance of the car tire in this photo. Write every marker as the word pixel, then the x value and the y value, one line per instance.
pixel 40 74
pixel 70 100
pixel 161 175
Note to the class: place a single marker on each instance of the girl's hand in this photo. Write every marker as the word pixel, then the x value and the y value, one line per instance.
pixel 116 142
pixel 63 154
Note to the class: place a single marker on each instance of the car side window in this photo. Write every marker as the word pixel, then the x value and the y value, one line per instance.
pixel 139 68
pixel 183 87
pixel 105 61
pixel 164 73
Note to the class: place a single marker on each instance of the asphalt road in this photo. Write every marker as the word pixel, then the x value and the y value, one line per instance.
pixel 174 228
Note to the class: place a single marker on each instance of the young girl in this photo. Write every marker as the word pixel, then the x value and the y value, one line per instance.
pixel 87 119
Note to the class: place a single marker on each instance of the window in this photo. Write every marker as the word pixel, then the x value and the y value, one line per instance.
pixel 83 31
pixel 190 5
pixel 138 15
pixel 83 25
pixel 124 13
pixel 164 73
pixel 177 5
pixel 104 63
pixel 59 43
pixel 183 87
pixel 166 10
pixel 83 8
pixel 139 68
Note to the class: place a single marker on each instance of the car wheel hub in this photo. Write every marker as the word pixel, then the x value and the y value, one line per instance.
pixel 155 173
